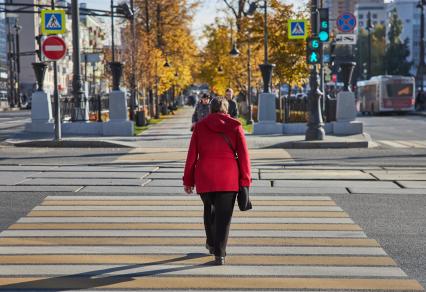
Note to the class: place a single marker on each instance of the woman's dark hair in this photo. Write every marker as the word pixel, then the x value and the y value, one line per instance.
pixel 219 105
pixel 205 95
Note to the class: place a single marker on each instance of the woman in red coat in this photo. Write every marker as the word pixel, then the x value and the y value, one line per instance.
pixel 212 168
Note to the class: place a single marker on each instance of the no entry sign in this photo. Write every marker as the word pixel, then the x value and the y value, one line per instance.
pixel 54 48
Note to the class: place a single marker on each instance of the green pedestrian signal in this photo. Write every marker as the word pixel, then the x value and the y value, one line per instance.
pixel 313 51
pixel 324 29
pixel 313 58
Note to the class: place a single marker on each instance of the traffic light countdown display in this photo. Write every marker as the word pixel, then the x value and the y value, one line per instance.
pixel 324 29
pixel 313 51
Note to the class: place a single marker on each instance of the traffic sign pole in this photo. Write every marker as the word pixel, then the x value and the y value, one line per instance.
pixel 58 130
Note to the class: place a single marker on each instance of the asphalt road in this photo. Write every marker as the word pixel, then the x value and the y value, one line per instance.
pixel 12 122
pixel 395 127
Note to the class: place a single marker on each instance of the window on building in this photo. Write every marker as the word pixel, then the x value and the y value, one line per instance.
pixel 374 16
pixel 361 16
pixel 361 23
pixel 407 20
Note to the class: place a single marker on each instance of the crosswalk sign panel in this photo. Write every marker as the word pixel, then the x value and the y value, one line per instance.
pixel 53 22
pixel 297 29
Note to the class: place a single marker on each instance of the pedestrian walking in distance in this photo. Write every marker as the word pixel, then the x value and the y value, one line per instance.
pixel 232 108
pixel 202 109
pixel 217 175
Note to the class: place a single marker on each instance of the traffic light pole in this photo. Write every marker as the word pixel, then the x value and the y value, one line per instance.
pixel 315 129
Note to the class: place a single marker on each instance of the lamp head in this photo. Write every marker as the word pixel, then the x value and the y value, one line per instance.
pixel 252 9
pixel 234 52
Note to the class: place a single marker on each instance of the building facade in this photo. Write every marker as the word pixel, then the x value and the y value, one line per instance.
pixel 377 10
pixel 409 14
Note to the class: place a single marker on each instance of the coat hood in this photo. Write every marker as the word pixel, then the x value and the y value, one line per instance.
pixel 219 122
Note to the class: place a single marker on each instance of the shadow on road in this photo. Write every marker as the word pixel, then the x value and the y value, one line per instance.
pixel 95 279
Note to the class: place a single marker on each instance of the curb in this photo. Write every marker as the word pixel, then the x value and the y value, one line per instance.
pixel 68 144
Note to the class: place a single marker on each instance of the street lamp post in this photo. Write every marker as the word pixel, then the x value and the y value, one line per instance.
pixel 421 66
pixel 80 99
pixel 18 63
pixel 369 29
pixel 315 129
pixel 133 86
pixel 250 117
pixel 265 68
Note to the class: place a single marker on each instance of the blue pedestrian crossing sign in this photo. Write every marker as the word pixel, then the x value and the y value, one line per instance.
pixel 53 22
pixel 297 29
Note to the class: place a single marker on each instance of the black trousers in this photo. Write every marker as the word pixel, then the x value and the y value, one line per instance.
pixel 218 208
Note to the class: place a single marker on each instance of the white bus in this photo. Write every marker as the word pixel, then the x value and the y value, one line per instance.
pixel 386 94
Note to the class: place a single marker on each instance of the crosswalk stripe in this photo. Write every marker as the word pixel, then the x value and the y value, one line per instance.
pixel 170 249
pixel 142 241
pixel 179 282
pixel 196 260
pixel 180 208
pixel 160 226
pixel 246 220
pixel 183 214
pixel 200 270
pixel 182 197
pixel 180 203
pixel 180 233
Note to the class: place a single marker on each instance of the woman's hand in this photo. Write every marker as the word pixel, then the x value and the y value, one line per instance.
pixel 188 190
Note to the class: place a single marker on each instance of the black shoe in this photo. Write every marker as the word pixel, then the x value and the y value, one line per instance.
pixel 210 248
pixel 219 261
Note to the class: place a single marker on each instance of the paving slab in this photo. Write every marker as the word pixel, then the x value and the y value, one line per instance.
pixel 332 167
pixel 315 175
pixel 40 189
pixel 115 168
pixel 179 190
pixel 84 182
pixel 12 178
pixel 92 175
pixel 412 184
pixel 415 175
pixel 27 168
pixel 359 190
pixel 334 183
pixel 177 175
pixel 178 183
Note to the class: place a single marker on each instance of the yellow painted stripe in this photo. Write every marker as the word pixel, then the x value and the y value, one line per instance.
pixel 243 241
pixel 179 282
pixel 276 214
pixel 177 203
pixel 173 259
pixel 160 226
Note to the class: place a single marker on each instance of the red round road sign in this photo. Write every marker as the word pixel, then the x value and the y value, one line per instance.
pixel 54 48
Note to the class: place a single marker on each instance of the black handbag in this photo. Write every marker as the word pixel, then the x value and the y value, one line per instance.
pixel 243 197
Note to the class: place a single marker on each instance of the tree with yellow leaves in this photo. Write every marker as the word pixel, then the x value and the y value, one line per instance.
pixel 163 35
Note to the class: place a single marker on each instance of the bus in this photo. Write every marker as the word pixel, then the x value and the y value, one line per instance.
pixel 386 94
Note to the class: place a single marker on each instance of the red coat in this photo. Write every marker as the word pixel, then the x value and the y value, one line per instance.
pixel 210 164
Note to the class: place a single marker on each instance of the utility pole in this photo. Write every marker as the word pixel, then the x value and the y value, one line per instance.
pixel 18 63
pixel 133 87
pixel 421 67
pixel 315 129
pixel 58 130
pixel 80 111
pixel 369 29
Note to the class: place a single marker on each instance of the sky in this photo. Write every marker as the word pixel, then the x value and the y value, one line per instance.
pixel 205 15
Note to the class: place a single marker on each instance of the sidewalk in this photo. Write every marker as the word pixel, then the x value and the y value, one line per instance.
pixel 177 129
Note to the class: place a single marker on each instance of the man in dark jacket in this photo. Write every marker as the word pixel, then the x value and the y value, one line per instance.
pixel 233 109
pixel 201 110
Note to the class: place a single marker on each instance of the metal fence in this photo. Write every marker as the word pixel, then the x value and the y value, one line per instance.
pixel 98 105
pixel 295 109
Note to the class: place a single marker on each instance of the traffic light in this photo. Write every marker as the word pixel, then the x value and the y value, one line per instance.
pixel 332 54
pixel 324 28
pixel 313 51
